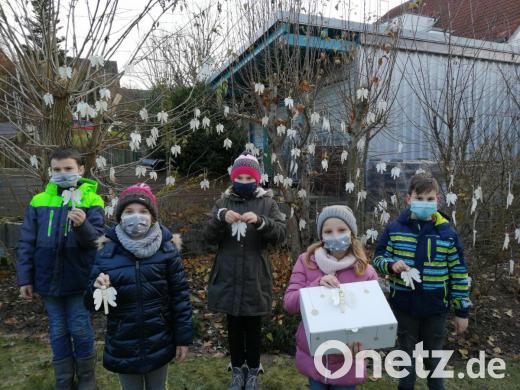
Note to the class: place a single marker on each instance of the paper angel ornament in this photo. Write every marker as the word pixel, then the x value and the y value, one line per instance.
pixel 238 229
pixel 105 296
pixel 73 195
pixel 411 275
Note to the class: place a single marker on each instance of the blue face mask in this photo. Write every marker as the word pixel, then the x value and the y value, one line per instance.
pixel 244 190
pixel 337 243
pixel 423 210
pixel 65 179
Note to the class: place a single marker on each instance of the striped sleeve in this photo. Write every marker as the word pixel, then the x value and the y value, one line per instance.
pixel 458 273
pixel 384 254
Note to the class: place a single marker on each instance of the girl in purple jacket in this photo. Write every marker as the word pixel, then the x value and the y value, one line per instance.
pixel 337 258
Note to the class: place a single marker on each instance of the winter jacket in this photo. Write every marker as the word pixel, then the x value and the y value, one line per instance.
pixel 302 277
pixel 53 254
pixel 240 281
pixel 436 252
pixel 153 314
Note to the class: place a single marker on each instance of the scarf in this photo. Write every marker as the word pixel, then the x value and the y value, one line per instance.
pixel 328 264
pixel 143 247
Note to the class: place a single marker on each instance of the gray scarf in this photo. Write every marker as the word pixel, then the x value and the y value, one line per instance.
pixel 143 247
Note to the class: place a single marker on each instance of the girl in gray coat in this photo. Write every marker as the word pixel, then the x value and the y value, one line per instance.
pixel 243 222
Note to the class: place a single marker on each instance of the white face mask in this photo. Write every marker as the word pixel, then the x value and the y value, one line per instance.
pixel 136 224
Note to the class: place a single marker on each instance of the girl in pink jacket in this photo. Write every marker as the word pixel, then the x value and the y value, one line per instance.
pixel 337 258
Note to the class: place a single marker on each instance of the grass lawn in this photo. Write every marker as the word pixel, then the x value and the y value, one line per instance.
pixel 25 364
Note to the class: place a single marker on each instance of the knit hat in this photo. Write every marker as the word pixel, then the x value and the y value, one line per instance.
pixel 246 164
pixel 138 193
pixel 337 211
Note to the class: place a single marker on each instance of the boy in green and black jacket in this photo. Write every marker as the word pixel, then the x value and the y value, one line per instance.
pixel 422 238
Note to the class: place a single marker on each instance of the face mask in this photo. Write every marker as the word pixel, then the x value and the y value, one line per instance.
pixel 337 243
pixel 136 225
pixel 65 179
pixel 423 210
pixel 244 190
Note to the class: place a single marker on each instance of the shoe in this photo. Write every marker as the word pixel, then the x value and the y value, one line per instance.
pixel 253 378
pixel 63 373
pixel 86 373
pixel 238 375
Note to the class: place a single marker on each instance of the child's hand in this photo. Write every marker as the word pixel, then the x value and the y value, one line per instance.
pixel 250 217
pixel 461 324
pixel 399 267
pixel 103 280
pixel 26 292
pixel 329 281
pixel 182 351
pixel 232 217
pixel 77 216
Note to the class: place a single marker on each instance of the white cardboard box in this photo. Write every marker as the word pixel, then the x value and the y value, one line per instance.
pixel 367 316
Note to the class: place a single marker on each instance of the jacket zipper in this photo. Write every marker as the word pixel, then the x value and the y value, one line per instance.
pixel 49 226
pixel 140 308
pixel 429 250
pixel 445 294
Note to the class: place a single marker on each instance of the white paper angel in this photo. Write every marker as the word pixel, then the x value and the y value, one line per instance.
pixel 280 130
pixel 176 150
pixel 101 162
pixel 451 199
pixel 393 199
pixel 96 60
pixel 265 121
pixel 371 118
pixel 226 111
pixel 302 194
pixel 325 164
pixel 250 147
pixel 205 122
pixel 474 203
pixel 196 112
pixel 343 126
pixel 204 184
pixel 259 88
pixel 315 118
pixel 105 296
pixel 154 132
pixel 362 94
pixel 72 195
pixel 278 179
pixel 289 102
pixel 291 133
pixel 140 170
pixel 517 235
pixel 273 158
pixel 104 93
pixel 349 187
pixel 101 106
pixel 143 113
pixel 112 174
pixel 344 156
pixel 34 161
pixel 264 178
pixel 381 106
pixel 153 175
pixel 381 167
pixel 477 194
pixel 219 128
pixel 48 99
pixel 302 224
pixel 372 235
pixel 325 126
pixel 238 229
pixel 410 276
pixel 361 144
pixel 395 172
pixel 194 124
pixel 361 196
pixel 507 239
pixel 287 182
pixel 311 149
pixel 65 72
pixel 170 180
pixel 162 117
pixel 510 198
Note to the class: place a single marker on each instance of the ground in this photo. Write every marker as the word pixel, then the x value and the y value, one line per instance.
pixel 25 358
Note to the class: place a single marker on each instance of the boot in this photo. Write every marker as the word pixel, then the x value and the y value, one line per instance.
pixel 238 376
pixel 86 373
pixel 64 373
pixel 253 378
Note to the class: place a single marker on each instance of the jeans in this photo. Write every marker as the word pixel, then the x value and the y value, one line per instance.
pixel 244 335
pixel 154 380
pixel 70 327
pixel 315 385
pixel 412 330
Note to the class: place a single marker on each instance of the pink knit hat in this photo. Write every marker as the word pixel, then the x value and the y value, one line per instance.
pixel 138 193
pixel 246 164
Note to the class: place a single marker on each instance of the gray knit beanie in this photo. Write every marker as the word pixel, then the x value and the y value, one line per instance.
pixel 337 211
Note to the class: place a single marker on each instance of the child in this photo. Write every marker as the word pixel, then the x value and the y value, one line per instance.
pixel 240 282
pixel 422 238
pixel 55 253
pixel 337 258
pixel 152 322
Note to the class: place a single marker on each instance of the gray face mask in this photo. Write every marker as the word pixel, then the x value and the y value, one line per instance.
pixel 337 243
pixel 136 225
pixel 65 179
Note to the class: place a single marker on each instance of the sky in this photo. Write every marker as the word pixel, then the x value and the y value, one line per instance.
pixel 175 21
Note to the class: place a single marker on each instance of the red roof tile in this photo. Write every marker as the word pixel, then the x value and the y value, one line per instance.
pixel 493 20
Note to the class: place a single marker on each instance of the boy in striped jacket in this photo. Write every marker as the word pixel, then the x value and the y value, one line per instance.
pixel 422 238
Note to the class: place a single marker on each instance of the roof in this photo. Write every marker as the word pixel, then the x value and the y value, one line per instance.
pixel 491 20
